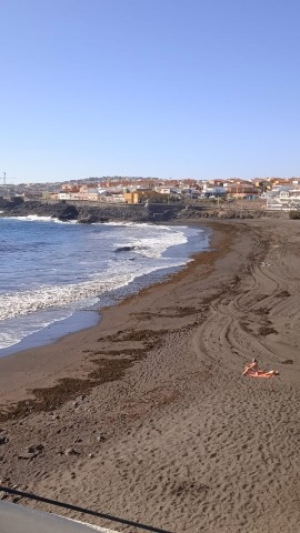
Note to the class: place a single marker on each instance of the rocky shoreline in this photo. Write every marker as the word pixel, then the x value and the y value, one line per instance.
pixel 88 212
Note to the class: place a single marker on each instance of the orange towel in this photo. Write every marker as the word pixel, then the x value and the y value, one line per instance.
pixel 261 374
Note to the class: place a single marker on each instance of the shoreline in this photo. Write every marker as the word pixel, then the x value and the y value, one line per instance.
pixel 89 317
pixel 26 360
pixel 78 321
pixel 168 432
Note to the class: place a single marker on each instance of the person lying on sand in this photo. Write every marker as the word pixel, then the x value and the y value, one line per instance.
pixel 253 370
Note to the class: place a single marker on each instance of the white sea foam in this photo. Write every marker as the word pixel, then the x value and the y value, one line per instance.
pixel 38 218
pixel 22 303
pixel 20 327
pixel 69 269
pixel 154 247
pixel 59 297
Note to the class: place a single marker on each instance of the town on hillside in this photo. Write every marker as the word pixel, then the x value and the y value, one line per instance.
pixel 274 193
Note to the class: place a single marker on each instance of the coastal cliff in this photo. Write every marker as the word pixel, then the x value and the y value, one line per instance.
pixel 88 212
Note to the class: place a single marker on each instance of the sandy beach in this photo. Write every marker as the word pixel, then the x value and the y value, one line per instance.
pixel 147 415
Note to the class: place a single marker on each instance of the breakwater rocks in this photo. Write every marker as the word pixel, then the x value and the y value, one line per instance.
pixel 88 212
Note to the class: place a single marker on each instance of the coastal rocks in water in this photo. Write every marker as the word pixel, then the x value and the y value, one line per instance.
pixel 124 249
pixel 68 213
pixel 60 210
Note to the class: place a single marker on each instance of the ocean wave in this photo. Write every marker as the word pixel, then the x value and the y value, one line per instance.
pixel 61 296
pixel 26 302
pixel 39 218
pixel 153 247
pixel 18 328
pixel 65 269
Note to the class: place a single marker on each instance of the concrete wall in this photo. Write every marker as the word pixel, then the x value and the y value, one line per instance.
pixel 19 519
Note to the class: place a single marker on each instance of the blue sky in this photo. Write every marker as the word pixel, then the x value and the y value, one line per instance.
pixel 166 88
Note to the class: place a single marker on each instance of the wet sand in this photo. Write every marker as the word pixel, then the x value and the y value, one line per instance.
pixel 151 419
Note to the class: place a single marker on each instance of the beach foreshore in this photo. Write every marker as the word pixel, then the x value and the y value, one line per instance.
pixel 147 415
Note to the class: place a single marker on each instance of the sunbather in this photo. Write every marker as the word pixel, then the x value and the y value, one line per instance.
pixel 253 370
pixel 252 367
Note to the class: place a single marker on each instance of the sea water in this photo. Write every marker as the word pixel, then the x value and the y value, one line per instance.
pixel 54 275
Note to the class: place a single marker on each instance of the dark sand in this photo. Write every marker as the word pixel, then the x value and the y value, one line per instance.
pixel 152 420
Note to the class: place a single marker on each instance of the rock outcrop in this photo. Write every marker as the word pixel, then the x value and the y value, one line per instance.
pixel 89 212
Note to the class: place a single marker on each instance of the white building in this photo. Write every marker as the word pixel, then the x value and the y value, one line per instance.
pixel 284 200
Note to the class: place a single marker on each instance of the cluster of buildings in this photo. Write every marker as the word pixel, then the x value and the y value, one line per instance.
pixel 135 191
pixel 278 193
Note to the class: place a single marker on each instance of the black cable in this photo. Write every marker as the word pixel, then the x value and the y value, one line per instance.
pixel 82 510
